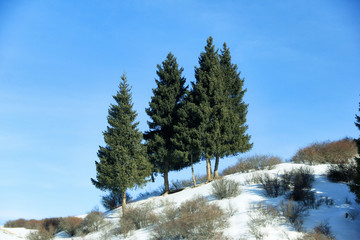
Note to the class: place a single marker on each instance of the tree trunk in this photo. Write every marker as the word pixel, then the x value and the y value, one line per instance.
pixel 193 173
pixel 123 205
pixel 216 169
pixel 208 169
pixel 166 177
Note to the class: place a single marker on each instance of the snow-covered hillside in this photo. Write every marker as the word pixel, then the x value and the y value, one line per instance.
pixel 340 202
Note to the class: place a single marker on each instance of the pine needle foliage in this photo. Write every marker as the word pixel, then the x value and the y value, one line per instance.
pixel 208 97
pixel 217 96
pixel 163 110
pixel 123 163
pixel 234 139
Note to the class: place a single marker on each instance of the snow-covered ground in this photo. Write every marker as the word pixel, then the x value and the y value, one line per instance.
pixel 13 233
pixel 343 202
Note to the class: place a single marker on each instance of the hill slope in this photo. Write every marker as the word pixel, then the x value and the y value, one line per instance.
pixel 337 203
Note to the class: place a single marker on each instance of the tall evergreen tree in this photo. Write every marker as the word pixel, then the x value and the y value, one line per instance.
pixel 187 135
pixel 355 185
pixel 123 163
pixel 207 95
pixel 233 139
pixel 163 111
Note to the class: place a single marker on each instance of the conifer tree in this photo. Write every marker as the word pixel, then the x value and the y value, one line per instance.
pixel 207 95
pixel 355 185
pixel 123 163
pixel 163 110
pixel 233 139
pixel 187 136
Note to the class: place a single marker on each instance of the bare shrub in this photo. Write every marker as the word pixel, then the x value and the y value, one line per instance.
pixel 136 218
pixel 71 225
pixel 341 172
pixel 92 222
pixel 256 162
pixel 42 234
pixel 301 184
pixel 255 227
pixel 294 213
pixel 231 210
pixel 194 219
pixel 51 224
pixel 34 224
pixel 254 178
pixel 225 188
pixel 19 223
pixel 303 178
pixel 322 231
pixel 189 182
pixel 176 185
pixel 46 227
pixel 314 236
pixel 286 180
pixel 114 200
pixel 335 152
pixel 297 181
pixel 271 185
pixel 260 216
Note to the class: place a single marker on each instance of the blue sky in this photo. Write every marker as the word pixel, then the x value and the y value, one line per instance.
pixel 61 62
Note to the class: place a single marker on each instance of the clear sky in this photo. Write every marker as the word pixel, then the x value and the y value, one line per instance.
pixel 61 62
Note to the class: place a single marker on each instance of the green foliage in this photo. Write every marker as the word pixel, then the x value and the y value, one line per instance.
pixel 335 152
pixel 163 110
pixel 195 219
pixel 235 139
pixel 208 101
pixel 355 185
pixel 187 135
pixel 216 105
pixel 123 163
pixel 225 188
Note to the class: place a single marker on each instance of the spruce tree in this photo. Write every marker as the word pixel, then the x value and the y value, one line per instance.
pixel 233 139
pixel 207 95
pixel 123 163
pixel 187 136
pixel 163 110
pixel 355 185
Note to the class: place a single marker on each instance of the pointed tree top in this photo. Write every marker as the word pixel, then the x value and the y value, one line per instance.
pixel 170 56
pixel 209 41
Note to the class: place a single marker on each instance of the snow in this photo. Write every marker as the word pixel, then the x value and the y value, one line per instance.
pixel 334 214
pixel 14 233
